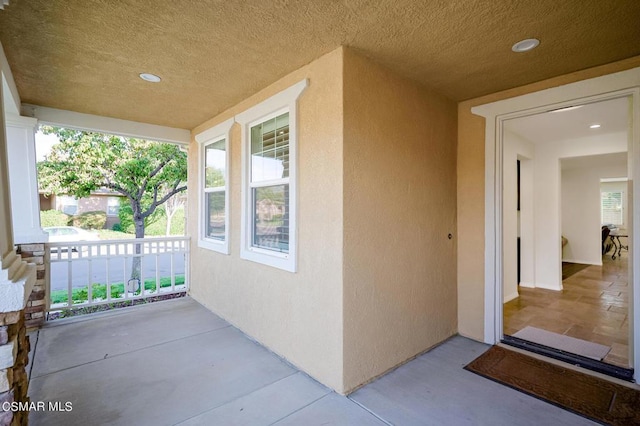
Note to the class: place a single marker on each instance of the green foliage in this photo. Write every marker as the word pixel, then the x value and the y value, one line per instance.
pixel 53 218
pixel 99 291
pixel 116 227
pixel 125 214
pixel 90 220
pixel 146 172
pixel 160 227
pixel 108 234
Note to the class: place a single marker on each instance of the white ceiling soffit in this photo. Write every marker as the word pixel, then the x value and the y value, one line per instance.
pixel 618 159
pixel 611 115
pixel 108 125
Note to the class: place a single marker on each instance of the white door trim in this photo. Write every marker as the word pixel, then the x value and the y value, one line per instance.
pixel 621 84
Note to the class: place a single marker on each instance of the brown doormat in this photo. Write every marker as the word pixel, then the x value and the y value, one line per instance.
pixel 583 394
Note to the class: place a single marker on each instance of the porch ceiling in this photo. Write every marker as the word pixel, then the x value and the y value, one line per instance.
pixel 85 55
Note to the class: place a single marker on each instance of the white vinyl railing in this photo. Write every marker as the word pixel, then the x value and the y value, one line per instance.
pixel 87 273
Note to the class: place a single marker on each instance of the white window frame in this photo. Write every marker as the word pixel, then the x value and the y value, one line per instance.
pixel 63 200
pixel 205 138
pixel 622 202
pixel 117 201
pixel 280 103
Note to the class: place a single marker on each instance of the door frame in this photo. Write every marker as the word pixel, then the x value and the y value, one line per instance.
pixel 611 86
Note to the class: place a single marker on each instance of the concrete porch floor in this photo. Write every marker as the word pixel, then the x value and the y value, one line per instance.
pixel 175 362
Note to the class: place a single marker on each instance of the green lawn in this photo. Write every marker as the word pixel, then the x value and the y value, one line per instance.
pixel 108 234
pixel 80 294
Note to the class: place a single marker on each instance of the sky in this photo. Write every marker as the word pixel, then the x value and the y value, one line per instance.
pixel 44 144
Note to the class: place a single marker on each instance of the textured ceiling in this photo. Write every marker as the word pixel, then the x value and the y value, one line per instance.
pixel 85 55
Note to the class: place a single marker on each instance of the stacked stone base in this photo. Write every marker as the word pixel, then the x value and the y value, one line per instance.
pixel 14 357
pixel 36 306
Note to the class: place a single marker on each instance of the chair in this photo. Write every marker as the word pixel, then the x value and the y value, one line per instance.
pixel 606 243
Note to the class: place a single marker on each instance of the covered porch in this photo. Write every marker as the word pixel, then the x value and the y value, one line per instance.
pixel 175 362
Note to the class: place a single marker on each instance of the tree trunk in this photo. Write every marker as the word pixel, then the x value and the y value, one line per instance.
pixel 136 263
pixel 169 220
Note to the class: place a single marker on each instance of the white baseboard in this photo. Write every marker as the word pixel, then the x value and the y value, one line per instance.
pixel 584 262
pixel 549 287
pixel 527 285
pixel 511 297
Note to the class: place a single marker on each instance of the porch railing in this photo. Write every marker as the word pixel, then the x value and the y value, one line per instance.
pixel 88 273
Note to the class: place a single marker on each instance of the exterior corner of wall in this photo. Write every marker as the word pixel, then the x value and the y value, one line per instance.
pixel 296 315
pixel 397 302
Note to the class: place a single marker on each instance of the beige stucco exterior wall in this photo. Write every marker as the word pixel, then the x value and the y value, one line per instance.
pixel 399 207
pixel 297 315
pixel 470 190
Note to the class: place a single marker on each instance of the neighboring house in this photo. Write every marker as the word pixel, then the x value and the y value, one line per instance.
pixel 101 200
pixel 383 155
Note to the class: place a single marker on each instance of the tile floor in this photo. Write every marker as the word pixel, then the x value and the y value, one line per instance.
pixel 593 306
pixel 176 363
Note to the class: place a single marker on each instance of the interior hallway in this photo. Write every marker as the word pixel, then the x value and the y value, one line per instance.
pixel 175 362
pixel 593 306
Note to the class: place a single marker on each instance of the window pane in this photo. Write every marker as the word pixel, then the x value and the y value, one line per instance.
pixel 215 160
pixel 113 206
pixel 612 211
pixel 214 215
pixel 270 149
pixel 70 209
pixel 271 218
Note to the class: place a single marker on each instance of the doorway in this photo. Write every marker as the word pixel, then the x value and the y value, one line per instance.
pixel 497 114
pixel 570 296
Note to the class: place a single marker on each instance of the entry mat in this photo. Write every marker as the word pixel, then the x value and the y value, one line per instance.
pixel 564 343
pixel 589 396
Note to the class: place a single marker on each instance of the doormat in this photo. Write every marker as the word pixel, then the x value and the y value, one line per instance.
pixel 569 268
pixel 564 343
pixel 589 396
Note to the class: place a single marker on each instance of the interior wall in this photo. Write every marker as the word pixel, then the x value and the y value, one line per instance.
pixel 527 226
pixel 548 212
pixel 399 207
pixel 581 217
pixel 581 213
pixel 297 315
pixel 471 194
pixel 515 148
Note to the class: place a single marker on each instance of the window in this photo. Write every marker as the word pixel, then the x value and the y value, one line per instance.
pixel 612 207
pixel 213 232
pixel 269 180
pixel 68 204
pixel 113 206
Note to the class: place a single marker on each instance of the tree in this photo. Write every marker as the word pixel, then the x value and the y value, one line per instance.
pixel 148 173
pixel 172 205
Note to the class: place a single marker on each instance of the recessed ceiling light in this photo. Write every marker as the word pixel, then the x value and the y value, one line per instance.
pixel 594 126
pixel 525 45
pixel 150 77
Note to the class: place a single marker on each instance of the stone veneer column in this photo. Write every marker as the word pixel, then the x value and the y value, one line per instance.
pixel 14 357
pixel 35 311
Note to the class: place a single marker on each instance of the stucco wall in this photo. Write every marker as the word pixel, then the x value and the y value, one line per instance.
pixel 399 207
pixel 470 190
pixel 297 315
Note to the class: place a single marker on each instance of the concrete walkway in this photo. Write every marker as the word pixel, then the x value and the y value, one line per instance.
pixel 175 362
